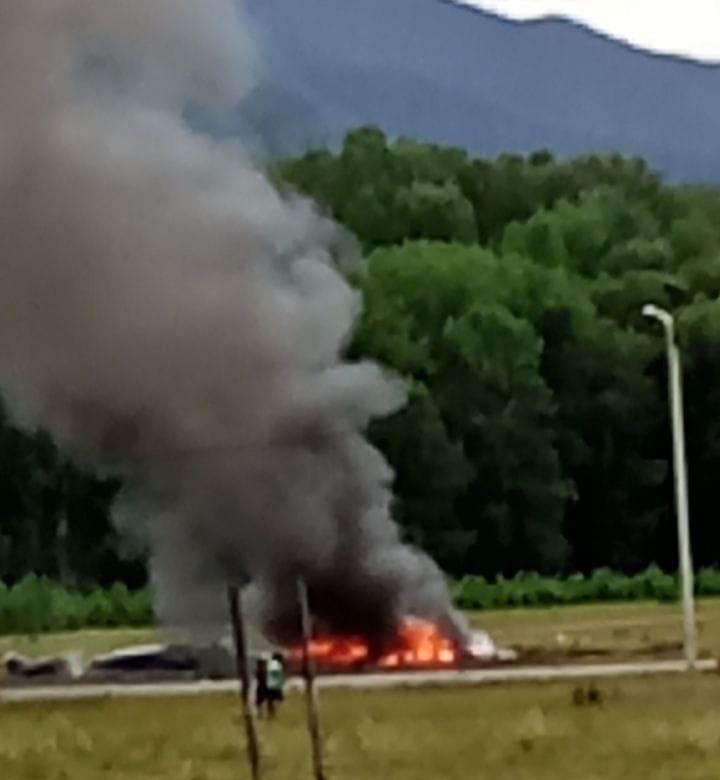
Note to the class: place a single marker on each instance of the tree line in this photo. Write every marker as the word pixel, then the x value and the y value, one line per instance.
pixel 508 294
pixel 37 605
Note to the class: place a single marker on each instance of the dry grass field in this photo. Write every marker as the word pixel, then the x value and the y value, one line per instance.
pixel 664 729
pixel 612 631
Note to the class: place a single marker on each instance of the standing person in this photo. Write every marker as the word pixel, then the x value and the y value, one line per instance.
pixel 261 689
pixel 275 682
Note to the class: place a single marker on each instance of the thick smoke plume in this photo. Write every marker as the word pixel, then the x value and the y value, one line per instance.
pixel 164 308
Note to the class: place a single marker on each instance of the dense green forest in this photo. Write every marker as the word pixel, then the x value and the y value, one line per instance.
pixel 508 293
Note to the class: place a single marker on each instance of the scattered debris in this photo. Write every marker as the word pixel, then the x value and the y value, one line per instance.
pixel 63 668
pixel 595 695
pixel 587 695
pixel 184 662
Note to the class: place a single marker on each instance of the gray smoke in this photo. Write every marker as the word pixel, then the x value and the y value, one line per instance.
pixel 164 308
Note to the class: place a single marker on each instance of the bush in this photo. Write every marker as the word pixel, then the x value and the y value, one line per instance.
pixel 37 605
pixel 603 585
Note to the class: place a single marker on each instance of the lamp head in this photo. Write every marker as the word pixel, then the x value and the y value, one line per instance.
pixel 656 313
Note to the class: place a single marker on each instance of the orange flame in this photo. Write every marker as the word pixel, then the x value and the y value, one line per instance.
pixel 419 643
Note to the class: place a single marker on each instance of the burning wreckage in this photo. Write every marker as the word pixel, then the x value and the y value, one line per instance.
pixel 418 646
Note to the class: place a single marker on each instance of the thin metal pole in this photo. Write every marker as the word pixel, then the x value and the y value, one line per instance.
pixel 681 493
pixel 243 673
pixel 680 470
pixel 308 670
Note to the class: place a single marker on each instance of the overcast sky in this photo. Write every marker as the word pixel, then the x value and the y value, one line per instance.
pixel 688 27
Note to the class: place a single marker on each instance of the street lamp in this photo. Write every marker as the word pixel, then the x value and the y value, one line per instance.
pixel 680 467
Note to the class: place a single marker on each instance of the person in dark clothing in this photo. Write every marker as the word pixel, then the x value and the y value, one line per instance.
pixel 261 689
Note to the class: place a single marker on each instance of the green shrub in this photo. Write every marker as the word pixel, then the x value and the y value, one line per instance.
pixel 707 582
pixel 603 585
pixel 37 605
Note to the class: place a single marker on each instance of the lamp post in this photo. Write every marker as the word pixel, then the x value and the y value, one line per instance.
pixel 680 469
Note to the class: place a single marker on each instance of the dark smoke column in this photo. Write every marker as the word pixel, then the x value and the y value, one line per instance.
pixel 164 309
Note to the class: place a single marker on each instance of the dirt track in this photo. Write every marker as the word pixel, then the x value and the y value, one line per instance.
pixel 365 681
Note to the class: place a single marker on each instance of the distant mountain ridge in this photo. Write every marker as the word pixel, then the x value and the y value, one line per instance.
pixel 597 32
pixel 439 71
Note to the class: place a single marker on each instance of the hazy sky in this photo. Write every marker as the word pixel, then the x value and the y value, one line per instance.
pixel 690 27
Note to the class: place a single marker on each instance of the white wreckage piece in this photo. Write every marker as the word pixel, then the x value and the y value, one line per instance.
pixel 61 668
pixel 481 647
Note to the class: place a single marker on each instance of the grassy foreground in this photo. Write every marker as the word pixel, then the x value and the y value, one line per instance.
pixel 662 729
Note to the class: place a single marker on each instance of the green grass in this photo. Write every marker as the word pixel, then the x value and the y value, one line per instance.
pixel 663 729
